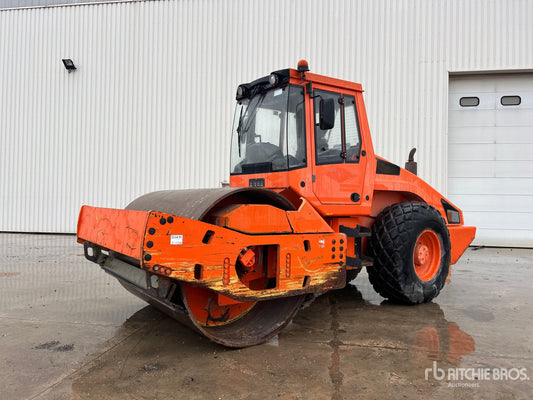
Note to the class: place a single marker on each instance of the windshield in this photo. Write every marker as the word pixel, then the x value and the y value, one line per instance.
pixel 269 132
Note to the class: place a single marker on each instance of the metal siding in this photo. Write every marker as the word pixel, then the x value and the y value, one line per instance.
pixel 151 104
pixel 41 3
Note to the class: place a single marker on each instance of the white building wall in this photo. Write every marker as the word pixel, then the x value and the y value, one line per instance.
pixel 150 105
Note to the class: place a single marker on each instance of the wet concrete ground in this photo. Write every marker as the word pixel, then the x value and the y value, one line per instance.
pixel 70 331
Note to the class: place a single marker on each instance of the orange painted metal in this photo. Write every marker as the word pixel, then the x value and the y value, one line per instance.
pixel 408 185
pixel 460 239
pixel 248 258
pixel 307 219
pixel 113 229
pixel 212 309
pixel 254 218
pixel 178 247
pixel 318 264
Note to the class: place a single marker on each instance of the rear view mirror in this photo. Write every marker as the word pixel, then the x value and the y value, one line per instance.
pixel 327 114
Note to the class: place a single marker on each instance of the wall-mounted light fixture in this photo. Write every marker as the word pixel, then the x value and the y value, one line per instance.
pixel 69 64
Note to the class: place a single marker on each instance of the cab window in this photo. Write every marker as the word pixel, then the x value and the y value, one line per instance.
pixel 342 143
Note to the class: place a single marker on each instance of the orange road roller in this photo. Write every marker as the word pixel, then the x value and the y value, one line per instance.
pixel 309 205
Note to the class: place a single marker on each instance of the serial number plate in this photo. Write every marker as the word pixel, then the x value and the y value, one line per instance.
pixel 256 182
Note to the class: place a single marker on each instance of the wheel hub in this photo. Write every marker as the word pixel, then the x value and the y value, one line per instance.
pixel 427 255
pixel 421 254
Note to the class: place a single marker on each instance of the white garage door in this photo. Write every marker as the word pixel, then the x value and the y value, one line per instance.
pixel 490 150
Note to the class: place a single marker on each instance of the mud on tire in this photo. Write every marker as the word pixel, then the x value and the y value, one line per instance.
pixel 411 247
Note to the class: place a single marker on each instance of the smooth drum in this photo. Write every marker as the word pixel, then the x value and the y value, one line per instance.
pixel 233 324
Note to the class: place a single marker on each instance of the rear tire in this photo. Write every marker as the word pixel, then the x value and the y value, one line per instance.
pixel 411 247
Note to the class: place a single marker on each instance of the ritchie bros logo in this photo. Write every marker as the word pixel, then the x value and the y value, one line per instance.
pixel 475 375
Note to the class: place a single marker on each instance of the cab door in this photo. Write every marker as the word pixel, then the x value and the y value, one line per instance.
pixel 339 167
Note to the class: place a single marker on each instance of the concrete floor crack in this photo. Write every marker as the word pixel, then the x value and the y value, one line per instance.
pixel 335 373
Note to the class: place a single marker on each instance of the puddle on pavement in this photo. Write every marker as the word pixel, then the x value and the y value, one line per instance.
pixel 342 344
pixel 347 343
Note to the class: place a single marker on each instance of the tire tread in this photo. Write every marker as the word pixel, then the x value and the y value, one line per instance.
pixel 392 236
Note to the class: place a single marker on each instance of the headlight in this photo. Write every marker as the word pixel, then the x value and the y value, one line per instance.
pixel 241 90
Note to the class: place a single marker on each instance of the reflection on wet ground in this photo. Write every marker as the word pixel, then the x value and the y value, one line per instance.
pixel 349 344
pixel 341 347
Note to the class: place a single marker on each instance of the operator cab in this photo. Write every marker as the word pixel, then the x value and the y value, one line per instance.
pixel 302 132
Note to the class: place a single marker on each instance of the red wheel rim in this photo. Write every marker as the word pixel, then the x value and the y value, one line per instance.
pixel 427 255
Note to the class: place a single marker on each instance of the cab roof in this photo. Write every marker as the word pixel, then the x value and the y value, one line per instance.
pixel 289 75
